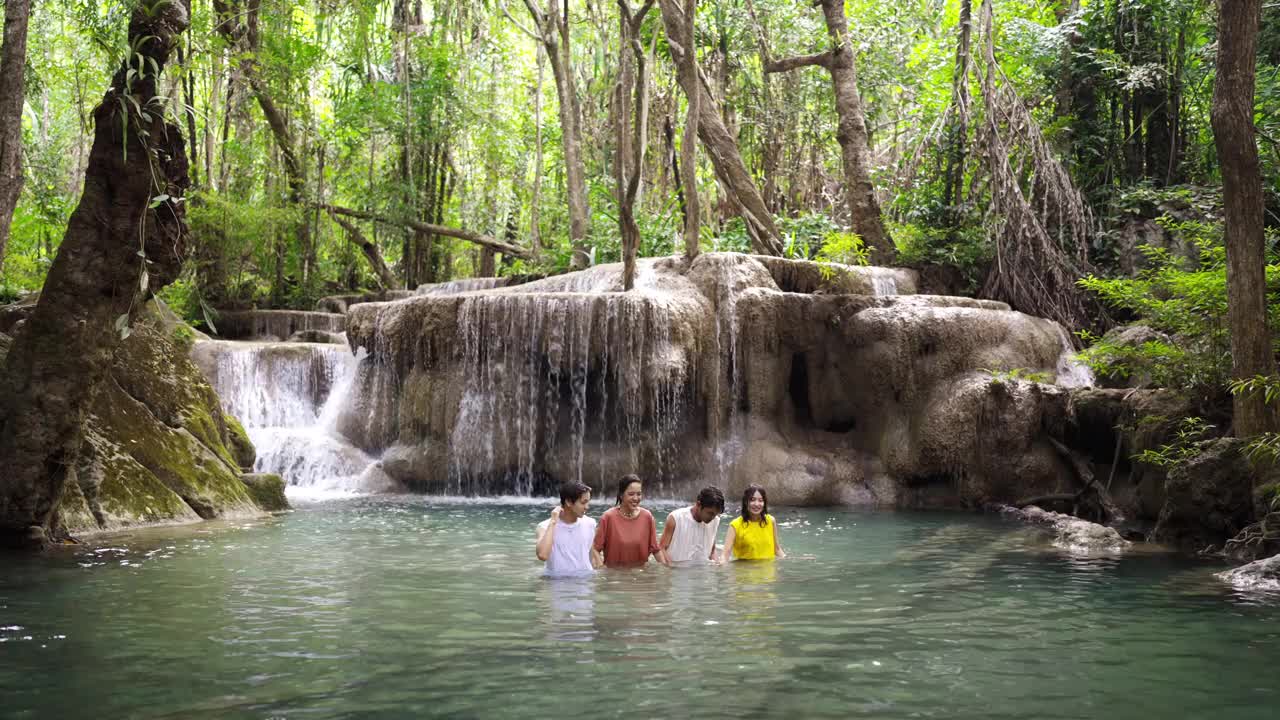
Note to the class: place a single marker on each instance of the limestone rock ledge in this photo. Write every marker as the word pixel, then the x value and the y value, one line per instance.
pixel 1071 533
pixel 1257 575
pixel 827 384
pixel 158 449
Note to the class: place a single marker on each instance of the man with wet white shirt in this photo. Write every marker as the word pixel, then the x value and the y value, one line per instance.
pixel 689 535
pixel 565 539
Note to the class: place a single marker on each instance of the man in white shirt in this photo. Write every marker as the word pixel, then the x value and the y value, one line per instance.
pixel 565 539
pixel 689 535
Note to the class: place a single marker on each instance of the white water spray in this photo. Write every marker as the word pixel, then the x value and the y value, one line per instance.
pixel 287 396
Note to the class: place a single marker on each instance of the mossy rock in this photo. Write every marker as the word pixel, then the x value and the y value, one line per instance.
pixel 74 514
pixel 158 448
pixel 153 367
pixel 118 491
pixel 1266 498
pixel 204 479
pixel 267 490
pixel 241 446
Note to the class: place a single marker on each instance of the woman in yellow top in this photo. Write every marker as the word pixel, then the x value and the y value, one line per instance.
pixel 753 535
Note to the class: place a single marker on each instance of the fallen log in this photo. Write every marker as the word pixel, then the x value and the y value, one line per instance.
pixel 481 240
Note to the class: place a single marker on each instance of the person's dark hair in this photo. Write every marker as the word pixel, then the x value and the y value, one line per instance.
pixel 711 497
pixel 746 498
pixel 625 483
pixel 571 491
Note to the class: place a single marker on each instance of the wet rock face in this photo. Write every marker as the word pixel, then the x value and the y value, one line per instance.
pixel 730 370
pixel 1258 575
pixel 1209 498
pixel 276 324
pixel 157 448
pixel 1072 533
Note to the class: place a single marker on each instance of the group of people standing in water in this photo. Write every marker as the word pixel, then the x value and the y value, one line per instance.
pixel 571 543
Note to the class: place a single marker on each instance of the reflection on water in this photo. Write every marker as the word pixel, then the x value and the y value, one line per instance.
pixel 403 607
pixel 570 608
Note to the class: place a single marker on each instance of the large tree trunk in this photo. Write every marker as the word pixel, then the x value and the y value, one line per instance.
pixel 632 134
pixel 957 130
pixel 535 197
pixel 552 27
pixel 13 57
pixel 851 132
pixel 125 239
pixel 1237 145
pixel 688 73
pixel 860 193
pixel 719 144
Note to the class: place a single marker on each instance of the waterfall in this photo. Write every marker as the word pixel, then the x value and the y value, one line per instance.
pixel 513 390
pixel 1071 372
pixel 288 396
pixel 884 284
pixel 558 375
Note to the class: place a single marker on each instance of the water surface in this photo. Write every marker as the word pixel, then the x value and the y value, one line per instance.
pixel 412 607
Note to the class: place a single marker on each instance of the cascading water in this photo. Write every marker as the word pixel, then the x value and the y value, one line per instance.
pixel 884 284
pixel 547 375
pixel 482 392
pixel 1070 371
pixel 287 396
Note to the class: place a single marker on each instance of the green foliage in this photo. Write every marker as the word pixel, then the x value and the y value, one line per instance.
pixel 1014 375
pixel 1186 302
pixel 1264 447
pixel 965 248
pixel 1192 434
pixel 846 248
pixel 465 106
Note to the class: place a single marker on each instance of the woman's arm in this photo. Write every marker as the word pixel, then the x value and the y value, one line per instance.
pixel 730 538
pixel 602 533
pixel 777 549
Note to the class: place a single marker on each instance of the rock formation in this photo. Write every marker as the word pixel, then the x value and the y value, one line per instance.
pixel 1258 575
pixel 1072 533
pixel 811 379
pixel 158 447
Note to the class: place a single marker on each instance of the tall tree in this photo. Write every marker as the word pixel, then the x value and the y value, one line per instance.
pixel 125 239
pixel 551 28
pixel 13 57
pixel 956 131
pixel 851 133
pixel 238 24
pixel 1237 144
pixel 633 78
pixel 716 139
pixel 688 73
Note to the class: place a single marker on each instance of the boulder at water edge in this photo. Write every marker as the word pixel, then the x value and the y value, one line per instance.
pixel 157 448
pixel 1257 575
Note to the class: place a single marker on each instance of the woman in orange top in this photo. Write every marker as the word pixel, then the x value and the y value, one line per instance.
pixel 627 533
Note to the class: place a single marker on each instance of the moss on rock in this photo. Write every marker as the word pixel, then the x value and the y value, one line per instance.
pixel 158 448
pixel 267 490
pixel 238 442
